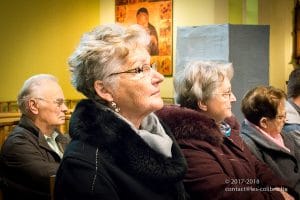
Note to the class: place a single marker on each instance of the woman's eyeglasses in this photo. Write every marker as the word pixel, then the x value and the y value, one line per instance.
pixel 281 117
pixel 226 95
pixel 144 69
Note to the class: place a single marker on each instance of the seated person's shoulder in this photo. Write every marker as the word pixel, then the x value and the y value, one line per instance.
pixel 17 137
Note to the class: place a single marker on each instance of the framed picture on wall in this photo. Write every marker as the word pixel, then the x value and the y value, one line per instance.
pixel 156 17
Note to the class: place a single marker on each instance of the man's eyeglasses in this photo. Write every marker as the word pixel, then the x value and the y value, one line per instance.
pixel 143 70
pixel 58 102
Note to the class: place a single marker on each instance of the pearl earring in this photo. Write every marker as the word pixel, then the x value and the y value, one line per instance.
pixel 114 106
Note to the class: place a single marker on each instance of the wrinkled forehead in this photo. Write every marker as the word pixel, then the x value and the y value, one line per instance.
pixel 48 88
pixel 223 84
pixel 139 54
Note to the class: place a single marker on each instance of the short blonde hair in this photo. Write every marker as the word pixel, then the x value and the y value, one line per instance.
pixel 101 52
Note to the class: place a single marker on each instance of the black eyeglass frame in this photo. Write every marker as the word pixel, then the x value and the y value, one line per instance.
pixel 137 70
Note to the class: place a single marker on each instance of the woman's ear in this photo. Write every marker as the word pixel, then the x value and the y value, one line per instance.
pixel 263 123
pixel 102 91
pixel 202 105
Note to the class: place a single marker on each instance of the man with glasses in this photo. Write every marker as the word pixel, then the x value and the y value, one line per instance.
pixel 33 151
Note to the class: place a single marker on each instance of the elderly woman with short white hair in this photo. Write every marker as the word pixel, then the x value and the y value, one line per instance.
pixel 119 148
pixel 220 166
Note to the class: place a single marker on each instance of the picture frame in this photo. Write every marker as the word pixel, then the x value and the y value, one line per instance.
pixel 157 18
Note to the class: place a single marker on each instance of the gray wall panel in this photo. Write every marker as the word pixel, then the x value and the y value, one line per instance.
pixel 246 46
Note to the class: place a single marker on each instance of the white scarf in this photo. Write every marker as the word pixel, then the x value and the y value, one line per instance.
pixel 152 132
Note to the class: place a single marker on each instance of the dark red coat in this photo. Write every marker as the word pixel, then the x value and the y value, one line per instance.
pixel 218 164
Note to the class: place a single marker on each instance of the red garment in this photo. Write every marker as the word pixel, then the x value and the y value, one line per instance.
pixel 217 165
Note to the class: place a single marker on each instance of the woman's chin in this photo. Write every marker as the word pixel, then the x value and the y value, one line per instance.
pixel 157 104
pixel 229 114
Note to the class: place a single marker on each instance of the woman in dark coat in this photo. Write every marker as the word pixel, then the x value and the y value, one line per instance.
pixel 220 166
pixel 264 110
pixel 119 148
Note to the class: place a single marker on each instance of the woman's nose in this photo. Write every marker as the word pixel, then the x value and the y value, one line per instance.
pixel 157 77
pixel 232 97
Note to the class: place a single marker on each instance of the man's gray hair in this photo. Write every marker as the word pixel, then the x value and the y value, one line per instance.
pixel 28 90
pixel 101 52
pixel 198 80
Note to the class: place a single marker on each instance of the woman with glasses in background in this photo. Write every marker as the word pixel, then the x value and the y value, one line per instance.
pixel 264 110
pixel 119 148
pixel 220 166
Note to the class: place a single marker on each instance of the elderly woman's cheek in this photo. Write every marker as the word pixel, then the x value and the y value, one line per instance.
pixel 151 100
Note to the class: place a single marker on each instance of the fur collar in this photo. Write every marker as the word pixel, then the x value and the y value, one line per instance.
pixel 98 126
pixel 190 124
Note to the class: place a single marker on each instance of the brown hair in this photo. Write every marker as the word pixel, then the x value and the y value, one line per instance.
pixel 261 101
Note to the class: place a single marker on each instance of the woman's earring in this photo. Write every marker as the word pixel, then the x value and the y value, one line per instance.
pixel 114 106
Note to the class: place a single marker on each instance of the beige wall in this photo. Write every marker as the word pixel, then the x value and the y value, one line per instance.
pixel 279 15
pixel 37 36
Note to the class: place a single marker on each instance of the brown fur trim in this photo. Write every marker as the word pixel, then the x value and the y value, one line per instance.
pixel 190 124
